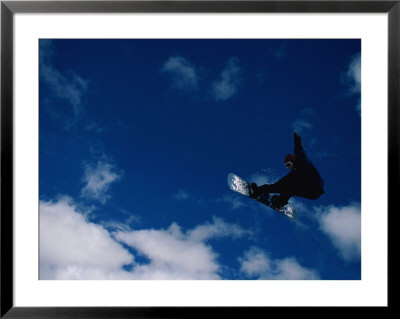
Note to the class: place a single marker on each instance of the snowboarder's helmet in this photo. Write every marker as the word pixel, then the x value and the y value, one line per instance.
pixel 290 159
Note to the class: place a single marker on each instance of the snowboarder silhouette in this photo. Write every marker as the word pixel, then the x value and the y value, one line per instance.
pixel 303 179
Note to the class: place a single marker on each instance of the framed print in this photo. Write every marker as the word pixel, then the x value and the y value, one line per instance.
pixel 165 157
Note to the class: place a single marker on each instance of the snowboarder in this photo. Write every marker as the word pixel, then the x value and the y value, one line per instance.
pixel 303 179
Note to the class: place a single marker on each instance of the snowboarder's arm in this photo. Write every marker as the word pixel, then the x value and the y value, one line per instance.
pixel 299 150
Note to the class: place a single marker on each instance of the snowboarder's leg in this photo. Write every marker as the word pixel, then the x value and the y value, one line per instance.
pixel 256 191
pixel 265 199
pixel 266 189
pixel 307 192
pixel 282 187
pixel 311 193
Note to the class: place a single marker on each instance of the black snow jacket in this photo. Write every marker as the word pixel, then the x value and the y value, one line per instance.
pixel 304 180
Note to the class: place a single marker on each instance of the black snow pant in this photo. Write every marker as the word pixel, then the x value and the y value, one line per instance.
pixel 288 187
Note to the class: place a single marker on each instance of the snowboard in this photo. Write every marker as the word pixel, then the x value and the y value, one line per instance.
pixel 239 185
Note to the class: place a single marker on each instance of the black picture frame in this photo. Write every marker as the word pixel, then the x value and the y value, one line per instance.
pixel 9 8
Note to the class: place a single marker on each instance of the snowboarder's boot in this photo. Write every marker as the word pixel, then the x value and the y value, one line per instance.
pixel 277 202
pixel 253 190
pixel 256 193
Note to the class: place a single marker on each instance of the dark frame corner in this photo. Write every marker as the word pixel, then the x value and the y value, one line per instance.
pixel 9 8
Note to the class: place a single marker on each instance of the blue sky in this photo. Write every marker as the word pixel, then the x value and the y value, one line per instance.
pixel 137 138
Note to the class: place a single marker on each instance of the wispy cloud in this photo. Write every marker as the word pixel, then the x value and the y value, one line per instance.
pixel 122 224
pixel 268 177
pixel 181 194
pixel 256 263
pixel 300 125
pixel 68 86
pixel 234 200
pixel 279 52
pixel 218 228
pixel 183 73
pixel 305 121
pixel 98 178
pixel 343 226
pixel 185 78
pixel 227 84
pixel 351 78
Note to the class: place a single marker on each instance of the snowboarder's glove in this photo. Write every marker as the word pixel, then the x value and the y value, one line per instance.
pixel 297 137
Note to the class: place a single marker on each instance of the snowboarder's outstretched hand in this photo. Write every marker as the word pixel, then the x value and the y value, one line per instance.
pixel 297 137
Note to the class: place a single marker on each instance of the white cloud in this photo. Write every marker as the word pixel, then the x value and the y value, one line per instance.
pixel 171 255
pixel 256 263
pixel 353 74
pixel 343 227
pixel 71 246
pixel 227 84
pixel 217 229
pixel 183 74
pixel 98 179
pixel 352 78
pixel 185 77
pixel 79 272
pixel 175 254
pixel 69 86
